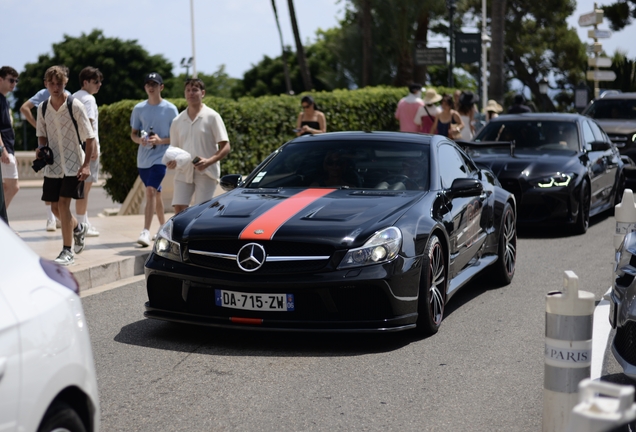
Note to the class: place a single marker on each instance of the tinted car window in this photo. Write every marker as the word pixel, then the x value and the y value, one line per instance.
pixel 451 164
pixel 598 133
pixel 350 164
pixel 619 109
pixel 539 134
pixel 588 136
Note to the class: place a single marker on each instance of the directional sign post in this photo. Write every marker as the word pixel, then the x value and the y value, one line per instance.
pixel 601 75
pixel 599 34
pixel 599 62
pixel 595 18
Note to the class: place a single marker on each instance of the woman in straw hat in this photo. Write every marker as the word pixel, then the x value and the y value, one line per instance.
pixel 492 109
pixel 426 114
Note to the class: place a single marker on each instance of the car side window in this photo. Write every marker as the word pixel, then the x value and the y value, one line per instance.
pixel 588 136
pixel 451 165
pixel 598 133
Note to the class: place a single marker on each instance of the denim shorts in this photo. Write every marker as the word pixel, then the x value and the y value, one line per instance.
pixel 153 176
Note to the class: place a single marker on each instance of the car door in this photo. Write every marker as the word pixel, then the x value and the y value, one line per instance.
pixel 10 368
pixel 464 218
pixel 596 166
pixel 612 160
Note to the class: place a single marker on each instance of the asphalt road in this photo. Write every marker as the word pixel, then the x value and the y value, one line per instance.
pixel 482 372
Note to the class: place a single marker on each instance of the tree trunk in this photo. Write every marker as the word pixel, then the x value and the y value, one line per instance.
pixel 421 36
pixel 496 84
pixel 367 53
pixel 284 55
pixel 404 75
pixel 300 51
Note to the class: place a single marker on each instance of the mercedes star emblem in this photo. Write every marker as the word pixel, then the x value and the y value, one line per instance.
pixel 251 257
pixel 259 231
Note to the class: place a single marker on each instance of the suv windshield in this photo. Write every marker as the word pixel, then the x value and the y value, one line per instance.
pixel 536 134
pixel 617 109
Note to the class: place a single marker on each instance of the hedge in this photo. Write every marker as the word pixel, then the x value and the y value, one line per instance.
pixel 256 127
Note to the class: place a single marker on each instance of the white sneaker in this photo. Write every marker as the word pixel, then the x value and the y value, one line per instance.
pixel 51 225
pixel 92 232
pixel 144 238
pixel 78 236
pixel 65 258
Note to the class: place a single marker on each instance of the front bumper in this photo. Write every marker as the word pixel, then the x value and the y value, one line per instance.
pixel 379 298
pixel 536 206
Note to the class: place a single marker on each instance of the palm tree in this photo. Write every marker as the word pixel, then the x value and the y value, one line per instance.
pixel 367 41
pixel 498 23
pixel 282 45
pixel 300 51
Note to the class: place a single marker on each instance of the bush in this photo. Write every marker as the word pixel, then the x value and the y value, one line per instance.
pixel 256 127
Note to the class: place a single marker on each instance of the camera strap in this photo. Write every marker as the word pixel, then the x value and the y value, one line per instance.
pixel 69 106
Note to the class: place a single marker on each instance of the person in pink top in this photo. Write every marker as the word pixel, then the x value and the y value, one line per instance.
pixel 407 108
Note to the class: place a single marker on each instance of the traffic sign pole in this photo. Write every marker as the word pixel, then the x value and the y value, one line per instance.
pixel 593 19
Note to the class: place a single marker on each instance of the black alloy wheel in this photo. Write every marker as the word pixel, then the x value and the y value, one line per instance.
pixel 583 218
pixel 504 269
pixel 433 287
pixel 60 417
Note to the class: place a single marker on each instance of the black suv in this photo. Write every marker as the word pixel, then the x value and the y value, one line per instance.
pixel 616 114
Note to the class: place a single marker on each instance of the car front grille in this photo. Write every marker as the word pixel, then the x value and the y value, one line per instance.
pixel 300 255
pixel 361 301
pixel 625 342
pixel 621 140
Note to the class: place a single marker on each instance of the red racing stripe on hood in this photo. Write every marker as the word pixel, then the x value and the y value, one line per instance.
pixel 265 226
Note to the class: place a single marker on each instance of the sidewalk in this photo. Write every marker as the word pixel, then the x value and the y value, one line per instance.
pixel 113 256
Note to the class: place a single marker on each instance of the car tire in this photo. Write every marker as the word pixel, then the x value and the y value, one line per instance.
pixel 433 289
pixel 503 270
pixel 583 219
pixel 60 417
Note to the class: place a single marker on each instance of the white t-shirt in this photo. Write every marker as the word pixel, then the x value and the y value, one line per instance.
pixel 90 104
pixel 200 137
pixel 59 130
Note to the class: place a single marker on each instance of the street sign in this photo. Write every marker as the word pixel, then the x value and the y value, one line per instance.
pixel 429 56
pixel 599 62
pixel 601 75
pixel 592 18
pixel 596 47
pixel 467 48
pixel 599 34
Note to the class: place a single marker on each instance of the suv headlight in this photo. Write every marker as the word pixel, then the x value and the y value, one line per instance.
pixel 383 246
pixel 164 246
pixel 557 180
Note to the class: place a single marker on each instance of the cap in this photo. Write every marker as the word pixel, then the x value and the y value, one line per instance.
pixel 154 76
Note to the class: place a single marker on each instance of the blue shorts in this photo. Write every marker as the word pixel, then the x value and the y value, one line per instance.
pixel 153 176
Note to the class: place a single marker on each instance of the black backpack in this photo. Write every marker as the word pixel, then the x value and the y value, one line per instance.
pixel 69 106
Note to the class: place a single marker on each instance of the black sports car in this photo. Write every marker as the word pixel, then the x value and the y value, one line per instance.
pixel 562 168
pixel 350 231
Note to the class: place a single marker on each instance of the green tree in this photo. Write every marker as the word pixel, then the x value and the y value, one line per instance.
pixel 625 70
pixel 620 14
pixel 123 63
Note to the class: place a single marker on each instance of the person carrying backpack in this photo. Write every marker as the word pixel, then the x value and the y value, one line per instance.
pixel 62 125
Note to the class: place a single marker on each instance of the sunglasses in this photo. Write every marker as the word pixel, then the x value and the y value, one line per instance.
pixel 13 80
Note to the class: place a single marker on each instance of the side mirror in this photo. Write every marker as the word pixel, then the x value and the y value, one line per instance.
pixel 465 187
pixel 600 145
pixel 230 181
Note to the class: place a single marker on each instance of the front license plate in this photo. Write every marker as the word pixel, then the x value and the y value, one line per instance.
pixel 251 301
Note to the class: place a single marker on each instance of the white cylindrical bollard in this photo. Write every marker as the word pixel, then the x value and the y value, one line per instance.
pixel 568 350
pixel 597 414
pixel 625 215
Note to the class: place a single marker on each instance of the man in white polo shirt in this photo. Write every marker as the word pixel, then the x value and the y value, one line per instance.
pixel 200 131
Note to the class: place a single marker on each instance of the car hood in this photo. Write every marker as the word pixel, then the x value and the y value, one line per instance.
pixel 528 163
pixel 334 216
pixel 618 126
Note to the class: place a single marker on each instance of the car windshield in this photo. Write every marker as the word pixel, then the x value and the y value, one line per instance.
pixel 347 164
pixel 613 109
pixel 533 134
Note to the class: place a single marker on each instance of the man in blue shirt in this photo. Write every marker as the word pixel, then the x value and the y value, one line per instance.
pixel 150 122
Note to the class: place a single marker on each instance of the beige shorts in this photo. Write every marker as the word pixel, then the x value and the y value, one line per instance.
pixel 10 170
pixel 202 188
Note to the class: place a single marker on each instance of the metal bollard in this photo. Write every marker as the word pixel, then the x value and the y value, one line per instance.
pixel 597 414
pixel 625 215
pixel 568 350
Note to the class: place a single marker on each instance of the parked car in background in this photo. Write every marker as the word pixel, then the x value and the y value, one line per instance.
pixel 346 231
pixel 562 168
pixel 47 373
pixel 616 113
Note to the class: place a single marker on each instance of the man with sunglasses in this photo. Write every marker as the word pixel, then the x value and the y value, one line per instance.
pixel 8 81
pixel 150 122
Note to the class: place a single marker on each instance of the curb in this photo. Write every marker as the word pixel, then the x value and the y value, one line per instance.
pixel 109 272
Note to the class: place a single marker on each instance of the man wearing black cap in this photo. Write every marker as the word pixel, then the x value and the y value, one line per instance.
pixel 150 122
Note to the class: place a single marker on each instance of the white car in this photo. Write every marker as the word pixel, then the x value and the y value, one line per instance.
pixel 47 372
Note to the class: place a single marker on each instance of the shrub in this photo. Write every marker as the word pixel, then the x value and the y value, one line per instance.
pixel 256 127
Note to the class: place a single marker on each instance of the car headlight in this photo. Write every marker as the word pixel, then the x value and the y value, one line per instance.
pixel 557 180
pixel 383 246
pixel 164 246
